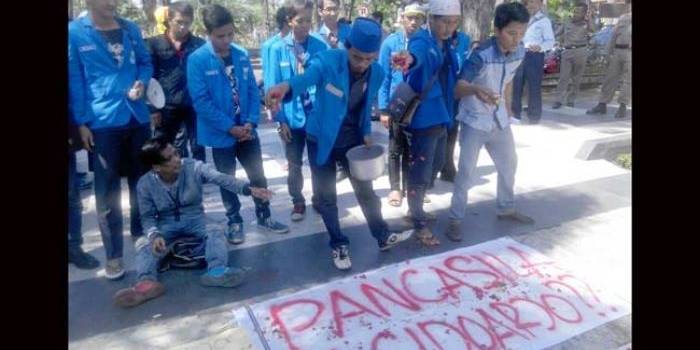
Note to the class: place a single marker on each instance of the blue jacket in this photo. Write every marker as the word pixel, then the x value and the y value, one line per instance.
pixel 435 109
pixel 328 71
pixel 392 77
pixel 212 96
pixel 283 65
pixel 98 88
pixel 265 50
pixel 461 43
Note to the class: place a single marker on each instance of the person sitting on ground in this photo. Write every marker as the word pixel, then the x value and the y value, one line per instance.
pixel 170 201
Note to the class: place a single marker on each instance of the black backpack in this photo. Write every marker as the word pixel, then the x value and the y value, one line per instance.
pixel 184 253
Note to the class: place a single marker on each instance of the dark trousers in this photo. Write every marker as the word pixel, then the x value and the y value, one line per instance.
pixel 323 177
pixel 116 154
pixel 427 148
pixel 249 155
pixel 75 206
pixel 179 127
pixel 448 169
pixel 294 151
pixel 398 158
pixel 530 72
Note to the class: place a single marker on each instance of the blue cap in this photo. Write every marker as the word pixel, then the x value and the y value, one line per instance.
pixel 365 35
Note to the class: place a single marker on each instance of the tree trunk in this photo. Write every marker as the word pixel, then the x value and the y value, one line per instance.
pixel 478 17
pixel 266 16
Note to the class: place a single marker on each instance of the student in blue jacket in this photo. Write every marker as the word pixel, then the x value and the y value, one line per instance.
pixel 412 18
pixel 430 54
pixel 288 58
pixel 266 47
pixel 108 69
pixel 346 83
pixel 226 99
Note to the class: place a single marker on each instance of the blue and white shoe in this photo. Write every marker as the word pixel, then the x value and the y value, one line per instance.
pixel 222 276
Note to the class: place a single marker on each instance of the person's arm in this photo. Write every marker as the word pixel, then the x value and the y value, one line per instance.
pixel 276 77
pixel 300 83
pixel 147 209
pixel 422 55
pixel 470 69
pixel 208 173
pixel 560 31
pixel 201 97
pixel 509 93
pixel 547 35
pixel 76 85
pixel 385 88
pixel 143 58
pixel 253 116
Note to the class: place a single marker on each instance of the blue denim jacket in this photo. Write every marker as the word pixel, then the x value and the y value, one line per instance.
pixel 156 206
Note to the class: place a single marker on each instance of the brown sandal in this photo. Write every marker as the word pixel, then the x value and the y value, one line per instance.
pixel 427 238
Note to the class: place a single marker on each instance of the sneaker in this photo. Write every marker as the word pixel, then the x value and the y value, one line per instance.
pixel 299 212
pixel 272 225
pixel 221 276
pixel 426 199
pixel 516 216
pixel 556 105
pixel 341 257
pixel 514 120
pixel 81 259
pixel 454 231
pixel 114 269
pixel 235 234
pixel 138 294
pixel 570 104
pixel 621 112
pixel 600 108
pixel 394 239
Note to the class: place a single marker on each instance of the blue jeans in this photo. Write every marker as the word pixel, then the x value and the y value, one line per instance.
pixel 75 206
pixel 294 152
pixel 179 127
pixel 427 156
pixel 530 72
pixel 323 177
pixel 116 154
pixel 214 245
pixel 250 156
pixel 501 147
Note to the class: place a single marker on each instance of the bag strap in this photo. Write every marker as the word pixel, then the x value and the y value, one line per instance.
pixel 427 87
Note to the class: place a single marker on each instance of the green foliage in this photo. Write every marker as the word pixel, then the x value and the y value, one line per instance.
pixel 558 10
pixel 625 160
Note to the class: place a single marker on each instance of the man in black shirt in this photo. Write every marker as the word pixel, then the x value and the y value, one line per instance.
pixel 176 122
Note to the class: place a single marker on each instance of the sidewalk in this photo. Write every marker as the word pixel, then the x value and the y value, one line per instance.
pixel 582 211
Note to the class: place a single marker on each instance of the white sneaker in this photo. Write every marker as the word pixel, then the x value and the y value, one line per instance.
pixel 514 121
pixel 341 258
pixel 394 239
pixel 114 269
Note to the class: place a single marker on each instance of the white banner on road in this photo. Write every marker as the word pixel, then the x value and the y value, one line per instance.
pixel 495 295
